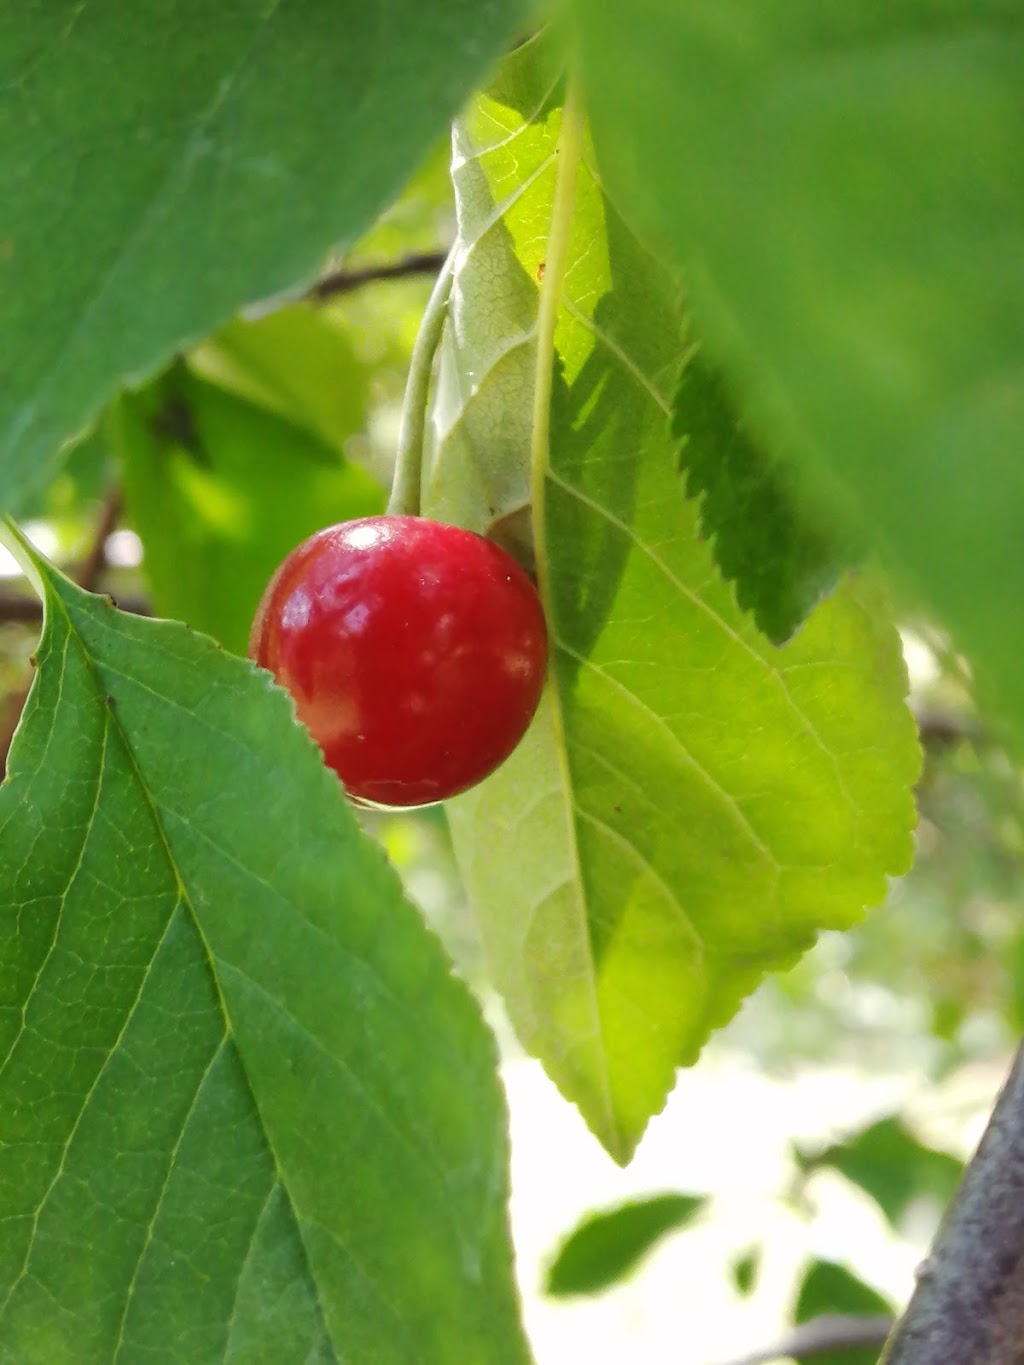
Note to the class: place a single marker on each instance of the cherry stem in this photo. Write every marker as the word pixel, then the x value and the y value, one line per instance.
pixel 405 490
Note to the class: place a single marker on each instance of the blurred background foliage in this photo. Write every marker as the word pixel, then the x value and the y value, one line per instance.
pixel 286 420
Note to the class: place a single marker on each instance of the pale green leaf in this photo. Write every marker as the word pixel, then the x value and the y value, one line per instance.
pixel 220 490
pixel 246 1112
pixel 477 460
pixel 165 163
pixel 842 183
pixel 298 363
pixel 691 804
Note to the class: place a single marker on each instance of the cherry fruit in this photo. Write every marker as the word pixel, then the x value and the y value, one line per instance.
pixel 415 652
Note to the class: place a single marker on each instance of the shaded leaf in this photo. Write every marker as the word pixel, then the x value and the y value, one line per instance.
pixel 829 1289
pixel 892 1166
pixel 842 183
pixel 297 363
pixel 691 805
pixel 220 490
pixel 161 170
pixel 783 554
pixel 226 1039
pixel 608 1246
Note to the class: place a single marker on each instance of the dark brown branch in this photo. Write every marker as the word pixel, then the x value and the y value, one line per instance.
pixel 941 729
pixel 832 1332
pixel 344 281
pixel 968 1307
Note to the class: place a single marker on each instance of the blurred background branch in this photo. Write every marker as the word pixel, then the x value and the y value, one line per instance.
pixel 831 1332
pixel 345 280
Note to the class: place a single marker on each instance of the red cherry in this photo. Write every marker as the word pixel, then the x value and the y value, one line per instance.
pixel 415 652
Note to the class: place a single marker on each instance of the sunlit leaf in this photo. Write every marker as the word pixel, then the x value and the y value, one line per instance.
pixel 691 804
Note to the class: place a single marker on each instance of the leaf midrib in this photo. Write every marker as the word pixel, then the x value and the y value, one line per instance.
pixel 113 724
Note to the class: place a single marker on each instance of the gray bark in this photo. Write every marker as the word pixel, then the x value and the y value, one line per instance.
pixel 968 1307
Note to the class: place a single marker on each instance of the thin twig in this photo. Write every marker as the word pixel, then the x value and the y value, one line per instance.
pixel 344 281
pixel 968 1307
pixel 20 608
pixel 831 1332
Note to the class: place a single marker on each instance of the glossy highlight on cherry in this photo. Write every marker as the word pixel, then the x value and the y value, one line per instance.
pixel 415 652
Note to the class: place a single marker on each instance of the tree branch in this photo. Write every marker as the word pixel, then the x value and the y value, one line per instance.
pixel 344 281
pixel 968 1307
pixel 95 560
pixel 832 1332
pixel 19 607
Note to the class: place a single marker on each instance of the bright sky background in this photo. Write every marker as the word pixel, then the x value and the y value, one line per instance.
pixel 726 1130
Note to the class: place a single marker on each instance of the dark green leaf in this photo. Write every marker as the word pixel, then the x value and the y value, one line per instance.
pixel 164 163
pixel 892 1166
pixel 246 1112
pixel 843 184
pixel 608 1246
pixel 220 490
pixel 782 554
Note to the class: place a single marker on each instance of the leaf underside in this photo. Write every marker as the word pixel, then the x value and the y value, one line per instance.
pixel 691 804
pixel 225 1039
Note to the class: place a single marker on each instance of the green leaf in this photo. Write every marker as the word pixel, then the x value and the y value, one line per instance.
pixel 607 1247
pixel 782 554
pixel 691 805
pixel 477 458
pixel 296 362
pixel 227 1041
pixel 842 183
pixel 830 1289
pixel 220 490
pixel 892 1166
pixel 164 165
pixel 745 1269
